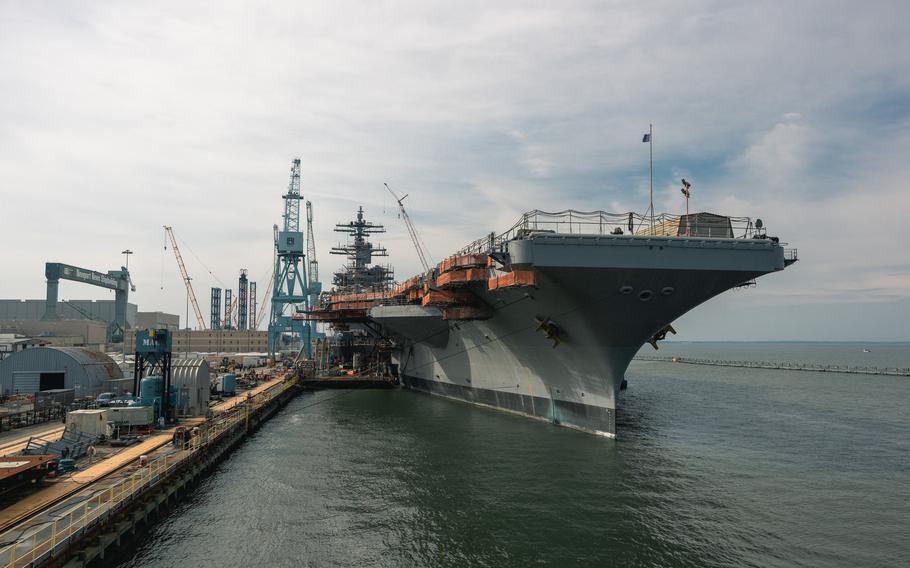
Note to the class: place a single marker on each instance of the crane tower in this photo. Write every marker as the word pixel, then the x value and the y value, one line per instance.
pixel 290 285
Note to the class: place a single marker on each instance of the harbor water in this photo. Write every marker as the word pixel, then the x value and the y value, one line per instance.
pixel 714 466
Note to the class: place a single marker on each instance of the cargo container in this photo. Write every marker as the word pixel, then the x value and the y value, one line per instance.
pixel 92 422
pixel 131 415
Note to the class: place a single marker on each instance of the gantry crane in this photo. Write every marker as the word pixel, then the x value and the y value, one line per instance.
pixel 117 280
pixel 418 243
pixel 186 278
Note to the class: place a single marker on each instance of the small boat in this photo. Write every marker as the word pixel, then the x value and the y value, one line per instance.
pixel 866 350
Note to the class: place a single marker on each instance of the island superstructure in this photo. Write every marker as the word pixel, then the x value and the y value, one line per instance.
pixel 544 318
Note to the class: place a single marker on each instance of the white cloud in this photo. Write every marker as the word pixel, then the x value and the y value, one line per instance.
pixel 119 118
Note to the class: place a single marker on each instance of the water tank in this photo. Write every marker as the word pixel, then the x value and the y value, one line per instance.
pixel 150 390
pixel 230 384
pixel 150 393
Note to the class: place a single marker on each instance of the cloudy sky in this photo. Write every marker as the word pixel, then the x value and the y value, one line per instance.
pixel 119 117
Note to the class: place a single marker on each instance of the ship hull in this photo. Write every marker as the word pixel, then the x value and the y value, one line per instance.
pixel 601 298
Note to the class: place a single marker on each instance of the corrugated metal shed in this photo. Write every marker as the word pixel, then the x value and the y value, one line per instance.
pixel 191 378
pixel 46 368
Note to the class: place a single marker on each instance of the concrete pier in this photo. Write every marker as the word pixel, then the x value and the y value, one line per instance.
pixel 100 507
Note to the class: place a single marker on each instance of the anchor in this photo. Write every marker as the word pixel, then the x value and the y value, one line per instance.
pixel 661 335
pixel 550 330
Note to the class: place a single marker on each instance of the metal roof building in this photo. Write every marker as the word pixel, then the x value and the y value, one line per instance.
pixel 191 378
pixel 47 368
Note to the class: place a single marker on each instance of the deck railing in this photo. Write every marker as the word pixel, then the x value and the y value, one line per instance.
pixel 573 222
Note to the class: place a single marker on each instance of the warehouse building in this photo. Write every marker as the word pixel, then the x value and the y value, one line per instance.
pixel 97 310
pixel 157 320
pixel 210 341
pixel 62 333
pixel 48 368
pixel 192 380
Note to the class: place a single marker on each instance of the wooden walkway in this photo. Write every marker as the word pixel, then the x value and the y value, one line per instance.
pixel 67 485
pixel 57 490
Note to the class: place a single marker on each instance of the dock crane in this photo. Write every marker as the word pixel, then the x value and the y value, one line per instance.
pixel 412 231
pixel 290 287
pixel 186 278
pixel 264 304
pixel 315 286
pixel 312 263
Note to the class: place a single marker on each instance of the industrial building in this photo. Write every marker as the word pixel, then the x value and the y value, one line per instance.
pixel 14 342
pixel 210 341
pixel 157 320
pixel 98 310
pixel 192 380
pixel 62 333
pixel 82 323
pixel 48 368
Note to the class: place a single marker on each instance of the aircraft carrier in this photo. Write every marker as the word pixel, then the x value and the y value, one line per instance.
pixel 544 318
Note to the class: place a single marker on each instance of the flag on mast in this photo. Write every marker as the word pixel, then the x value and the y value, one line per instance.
pixel 646 137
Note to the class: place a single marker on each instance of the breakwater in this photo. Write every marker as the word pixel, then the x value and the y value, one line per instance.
pixel 785 365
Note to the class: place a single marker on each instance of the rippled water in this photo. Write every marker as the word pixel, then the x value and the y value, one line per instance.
pixel 714 467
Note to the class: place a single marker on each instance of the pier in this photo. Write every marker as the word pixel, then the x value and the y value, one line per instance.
pixel 783 366
pixel 76 521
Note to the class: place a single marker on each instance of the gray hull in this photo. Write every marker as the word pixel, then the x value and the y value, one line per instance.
pixel 607 294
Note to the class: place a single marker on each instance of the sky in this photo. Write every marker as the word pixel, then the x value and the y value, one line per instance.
pixel 117 118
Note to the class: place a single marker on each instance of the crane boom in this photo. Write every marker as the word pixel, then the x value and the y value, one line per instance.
pixel 313 264
pixel 262 306
pixel 186 277
pixel 412 231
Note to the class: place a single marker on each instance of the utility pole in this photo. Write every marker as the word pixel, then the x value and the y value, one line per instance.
pixel 126 253
pixel 651 170
pixel 186 347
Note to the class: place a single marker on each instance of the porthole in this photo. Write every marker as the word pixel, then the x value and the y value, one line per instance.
pixel 667 291
pixel 625 290
pixel 645 295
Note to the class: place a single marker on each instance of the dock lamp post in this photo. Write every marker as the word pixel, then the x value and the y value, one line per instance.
pixel 186 348
pixel 126 253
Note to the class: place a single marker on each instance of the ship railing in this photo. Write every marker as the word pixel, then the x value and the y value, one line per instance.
pixel 573 222
pixel 790 254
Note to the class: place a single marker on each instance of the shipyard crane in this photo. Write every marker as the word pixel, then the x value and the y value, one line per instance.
pixel 313 264
pixel 186 277
pixel 421 247
pixel 290 288
pixel 117 280
pixel 264 304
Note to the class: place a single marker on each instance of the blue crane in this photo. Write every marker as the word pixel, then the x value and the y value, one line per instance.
pixel 290 286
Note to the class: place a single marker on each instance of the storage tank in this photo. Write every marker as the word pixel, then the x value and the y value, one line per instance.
pixel 150 393
pixel 150 390
pixel 229 385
